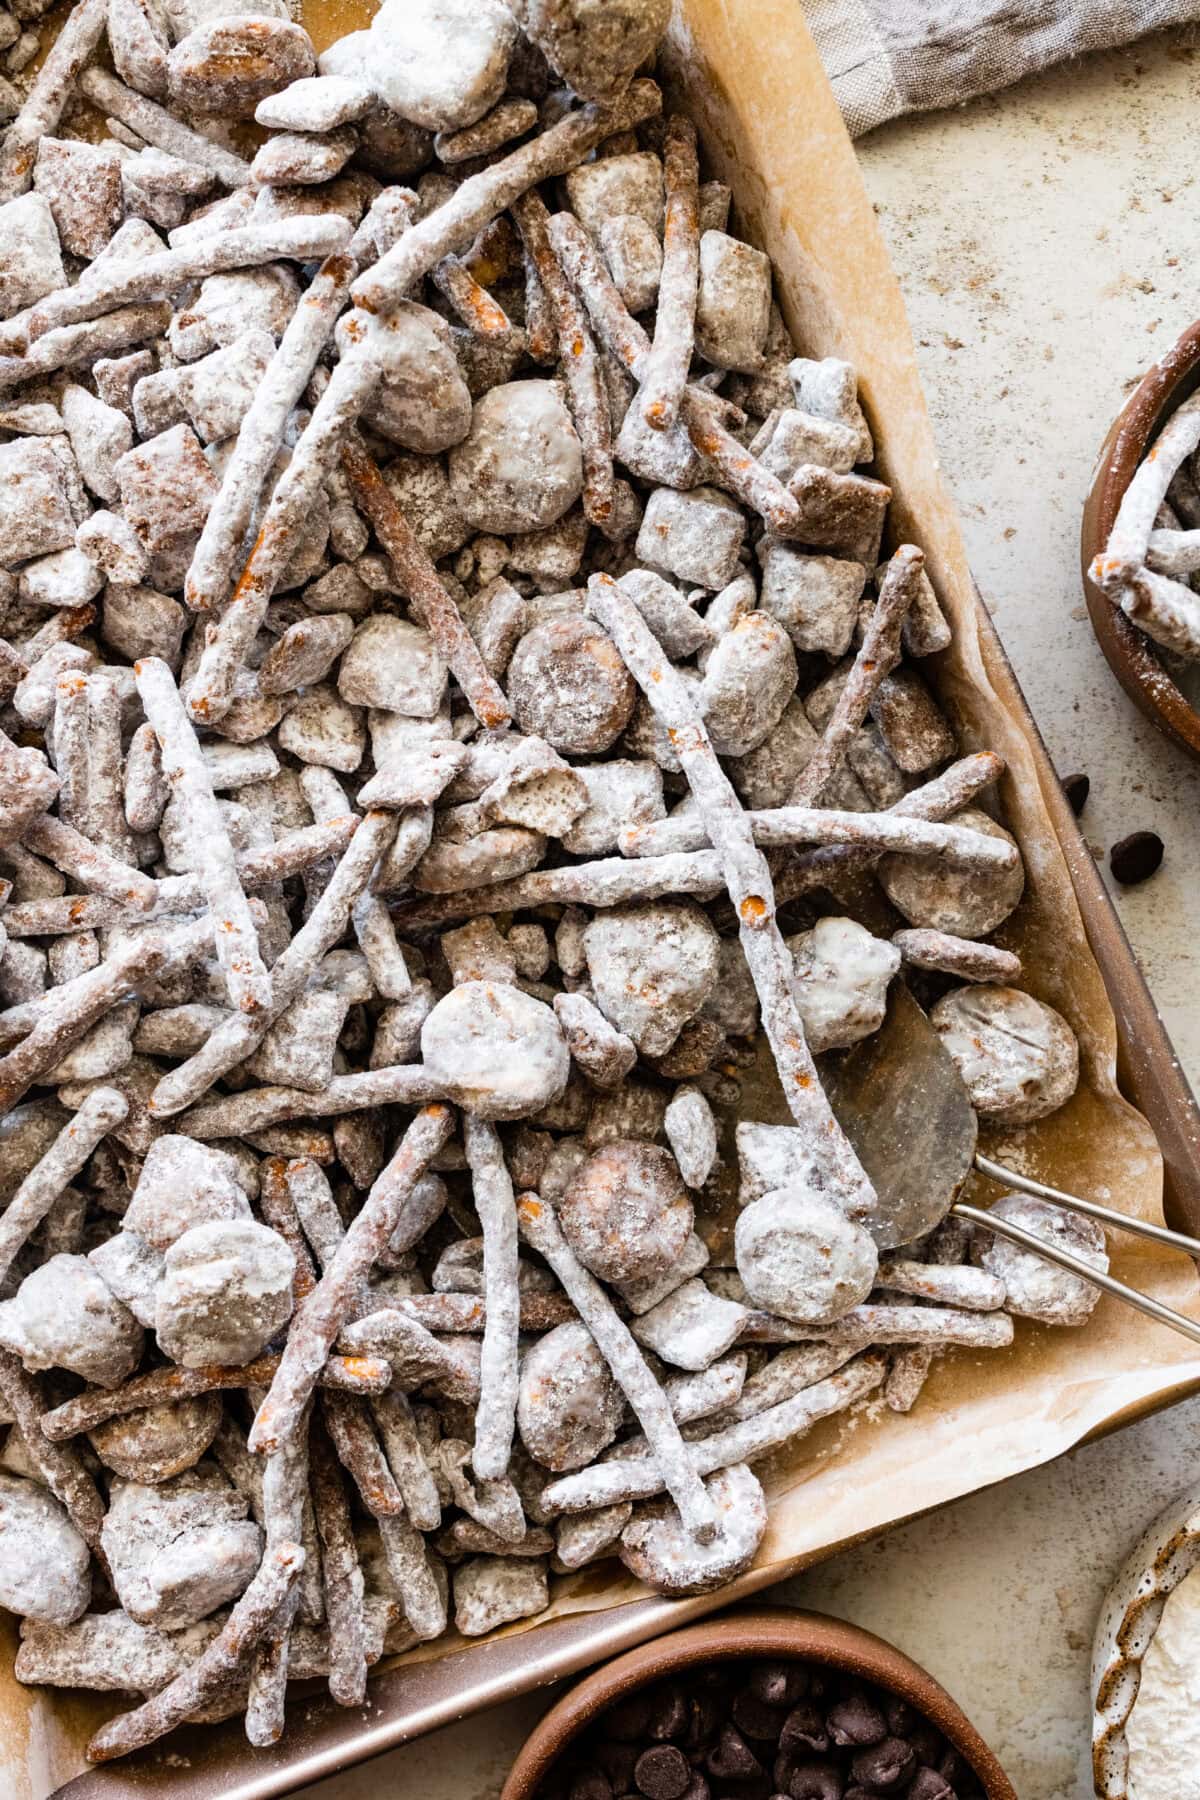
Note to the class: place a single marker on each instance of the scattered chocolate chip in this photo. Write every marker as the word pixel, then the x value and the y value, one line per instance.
pixel 779 1683
pixel 757 1719
pixel 670 1713
pixel 816 1781
pixel 900 1716
pixel 1076 788
pixel 663 1773
pixel 1136 857
pixel 804 1729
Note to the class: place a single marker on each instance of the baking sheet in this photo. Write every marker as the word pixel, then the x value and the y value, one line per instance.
pixel 748 72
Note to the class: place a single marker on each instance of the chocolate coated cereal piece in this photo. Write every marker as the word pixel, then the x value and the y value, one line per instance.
pixel 63 1316
pixel 691 1327
pixel 45 1567
pixel 829 389
pixel 800 1257
pixel 644 1291
pixel 181 1549
pixel 82 182
pixel 160 1442
pixel 230 64
pixel 842 978
pixel 969 961
pixel 49 94
pixel 494 1590
pixel 692 1134
pixel 182 1184
pixel 58 1466
pixel 695 536
pixel 1018 1057
pixel 569 1408
pixel 652 968
pixel 595 50
pixel 634 257
pixel 604 1054
pixel 520 466
pixel 226 1290
pixel 469 1042
pixel 657 1548
pixel 671 1459
pixel 733 303
pixel 749 678
pixel 586 1537
pixel 1034 1288
pixel 35 516
pixel 250 1618
pixel 33 263
pixel 627 1214
pixel 815 598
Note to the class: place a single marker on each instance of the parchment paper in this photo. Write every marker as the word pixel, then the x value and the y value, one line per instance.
pixel 748 73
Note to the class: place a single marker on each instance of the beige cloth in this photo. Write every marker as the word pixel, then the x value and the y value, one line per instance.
pixel 886 57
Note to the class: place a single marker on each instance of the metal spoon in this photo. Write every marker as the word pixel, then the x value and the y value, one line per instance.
pixel 901 1101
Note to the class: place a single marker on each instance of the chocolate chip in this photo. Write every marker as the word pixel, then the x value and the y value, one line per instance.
pixel 953 1768
pixel 804 1729
pixel 698 1788
pixel 884 1766
pixel 856 1720
pixel 779 1683
pixel 629 1719
pixel 816 1781
pixel 591 1785
pixel 663 1773
pixel 705 1717
pixel 756 1718
pixel 900 1716
pixel 617 1760
pixel 731 1758
pixel 927 1784
pixel 1076 788
pixel 927 1742
pixel 1136 857
pixel 670 1713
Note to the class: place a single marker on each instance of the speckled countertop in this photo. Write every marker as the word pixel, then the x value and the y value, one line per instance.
pixel 1048 240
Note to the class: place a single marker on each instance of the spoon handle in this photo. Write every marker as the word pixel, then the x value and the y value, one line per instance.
pixel 1154 1309
pixel 1105 1215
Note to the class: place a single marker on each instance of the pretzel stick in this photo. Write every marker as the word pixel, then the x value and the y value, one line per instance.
pixel 318 1319
pixel 161 128
pixel 157 277
pixel 612 881
pixel 262 429
pixel 699 410
pixel 665 370
pixel 888 1325
pixel 61 1469
pixel 89 863
pixel 234 936
pixel 877 656
pixel 421 584
pixel 285 1486
pixel 924 948
pixel 255 1110
pixel 580 362
pixel 638 1478
pixel 955 845
pixel 238 1036
pixel 454 1313
pixel 342 1576
pixel 84 343
pixel 406 1459
pixel 71 748
pixel 541 338
pixel 44 1184
pixel 495 1415
pixel 747 878
pixel 349 1427
pixel 1129 540
pixel 478 310
pixel 228 643
pixel 540 1227
pixel 938 799
pixel 478 199
pixel 218 1664
pixel 162 1387
pixel 47 99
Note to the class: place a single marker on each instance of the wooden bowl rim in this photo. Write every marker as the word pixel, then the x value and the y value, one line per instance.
pixel 1130 654
pixel 762 1631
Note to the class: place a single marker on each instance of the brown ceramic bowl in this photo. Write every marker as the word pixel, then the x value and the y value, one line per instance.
pixel 1132 657
pixel 763 1632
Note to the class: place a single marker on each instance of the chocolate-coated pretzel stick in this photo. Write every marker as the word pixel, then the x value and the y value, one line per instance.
pixel 938 799
pixel 71 345
pixel 478 200
pixel 341 1574
pixel 541 1229
pixel 59 1467
pixel 45 1182
pixel 161 128
pixel 89 863
pixel 318 1319
pixel 47 99
pixel 238 1036
pixel 877 656
pixel 285 1487
pixel 159 276
pixel 349 1426
pixel 665 370
pixel 495 1416
pixel 924 948
pixel 478 310
pixel 277 1574
pixel 455 1314
pixel 956 1285
pixel 638 1478
pixel 234 936
pixel 277 395
pixel 256 1109
pixel 1129 540
pixel 421 584
pixel 888 1325
pixel 162 1387
pixel 417 1357
pixel 955 845
pixel 586 392
pixel 747 878
pixel 612 881
pixel 401 1442
pixel 700 411
pixel 277 1204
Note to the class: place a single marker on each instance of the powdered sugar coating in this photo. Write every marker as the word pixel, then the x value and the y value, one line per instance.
pixel 1035 1289
pixel 1018 1057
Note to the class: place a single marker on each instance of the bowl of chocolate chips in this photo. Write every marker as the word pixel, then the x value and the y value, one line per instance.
pixel 770 1704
